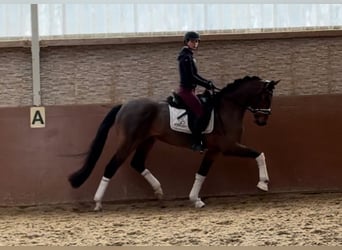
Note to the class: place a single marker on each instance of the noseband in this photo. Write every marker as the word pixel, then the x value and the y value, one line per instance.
pixel 260 111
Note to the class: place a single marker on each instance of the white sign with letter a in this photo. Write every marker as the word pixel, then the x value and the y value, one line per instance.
pixel 37 117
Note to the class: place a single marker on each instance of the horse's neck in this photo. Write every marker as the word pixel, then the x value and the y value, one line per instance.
pixel 237 101
pixel 231 113
pixel 233 106
pixel 242 95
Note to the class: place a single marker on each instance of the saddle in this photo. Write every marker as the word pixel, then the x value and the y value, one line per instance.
pixel 176 102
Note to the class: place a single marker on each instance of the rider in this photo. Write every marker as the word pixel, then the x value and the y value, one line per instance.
pixel 189 79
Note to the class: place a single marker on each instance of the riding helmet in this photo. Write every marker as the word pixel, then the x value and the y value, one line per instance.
pixel 191 35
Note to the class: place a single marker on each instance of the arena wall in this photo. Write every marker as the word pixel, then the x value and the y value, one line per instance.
pixel 81 79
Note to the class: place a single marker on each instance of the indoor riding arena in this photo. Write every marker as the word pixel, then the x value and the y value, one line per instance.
pixel 50 113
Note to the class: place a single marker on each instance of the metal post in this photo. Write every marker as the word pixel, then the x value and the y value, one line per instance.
pixel 35 55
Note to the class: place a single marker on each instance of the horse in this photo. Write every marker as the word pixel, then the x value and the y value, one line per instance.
pixel 138 123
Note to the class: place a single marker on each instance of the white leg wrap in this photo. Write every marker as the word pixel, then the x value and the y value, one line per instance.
pixel 194 194
pixel 98 206
pixel 101 189
pixel 263 175
pixel 151 179
pixel 155 184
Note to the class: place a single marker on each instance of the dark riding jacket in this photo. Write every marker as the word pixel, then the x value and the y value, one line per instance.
pixel 189 78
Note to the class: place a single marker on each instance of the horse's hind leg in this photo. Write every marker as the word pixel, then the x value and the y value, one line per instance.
pixel 111 168
pixel 138 163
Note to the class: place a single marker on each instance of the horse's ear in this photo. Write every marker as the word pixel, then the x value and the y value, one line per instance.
pixel 271 84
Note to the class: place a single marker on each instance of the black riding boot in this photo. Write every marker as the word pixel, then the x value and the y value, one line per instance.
pixel 197 137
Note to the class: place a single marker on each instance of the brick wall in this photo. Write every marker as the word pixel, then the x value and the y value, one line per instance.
pixel 15 77
pixel 110 73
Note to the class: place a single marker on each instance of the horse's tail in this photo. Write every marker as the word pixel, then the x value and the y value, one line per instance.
pixel 80 176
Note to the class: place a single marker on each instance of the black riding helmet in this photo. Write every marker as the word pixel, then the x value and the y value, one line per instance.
pixel 191 35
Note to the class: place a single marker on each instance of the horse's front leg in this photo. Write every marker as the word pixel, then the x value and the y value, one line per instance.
pixel 200 177
pixel 263 175
pixel 243 151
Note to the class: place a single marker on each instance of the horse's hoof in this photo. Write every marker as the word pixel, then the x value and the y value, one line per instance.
pixel 98 207
pixel 159 193
pixel 263 186
pixel 199 204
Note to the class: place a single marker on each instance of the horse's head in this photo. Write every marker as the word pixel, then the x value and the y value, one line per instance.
pixel 260 103
pixel 251 93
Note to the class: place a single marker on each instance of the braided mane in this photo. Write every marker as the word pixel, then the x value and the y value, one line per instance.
pixel 233 86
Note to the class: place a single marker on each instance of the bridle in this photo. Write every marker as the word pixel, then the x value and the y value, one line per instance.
pixel 263 111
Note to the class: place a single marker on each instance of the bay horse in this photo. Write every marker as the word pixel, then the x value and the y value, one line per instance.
pixel 138 123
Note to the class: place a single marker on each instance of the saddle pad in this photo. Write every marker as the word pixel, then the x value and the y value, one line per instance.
pixel 181 124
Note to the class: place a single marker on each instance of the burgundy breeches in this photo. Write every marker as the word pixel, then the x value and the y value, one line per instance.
pixel 191 100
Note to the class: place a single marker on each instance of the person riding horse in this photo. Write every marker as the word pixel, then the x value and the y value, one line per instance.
pixel 189 79
pixel 139 123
